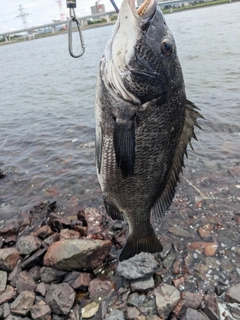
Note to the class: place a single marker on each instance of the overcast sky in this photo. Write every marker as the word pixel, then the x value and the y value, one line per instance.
pixel 41 12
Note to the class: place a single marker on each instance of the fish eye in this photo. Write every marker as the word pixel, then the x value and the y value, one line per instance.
pixel 166 47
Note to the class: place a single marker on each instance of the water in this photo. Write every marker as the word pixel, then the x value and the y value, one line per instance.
pixel 47 113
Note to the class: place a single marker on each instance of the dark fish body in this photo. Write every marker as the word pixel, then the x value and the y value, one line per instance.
pixel 144 123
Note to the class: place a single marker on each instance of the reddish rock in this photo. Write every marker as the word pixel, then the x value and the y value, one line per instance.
pixel 28 244
pixel 167 298
pixel 101 289
pixel 43 232
pixel 176 282
pixel 51 239
pixel 205 230
pixel 23 303
pixel 94 221
pixel 41 288
pixel 69 234
pixel 233 294
pixel 40 311
pixel 8 295
pixel 176 267
pixel 82 281
pixel 25 282
pixel 8 258
pixel 192 314
pixel 72 254
pixel 60 298
pixel 211 303
pixel 49 275
pixel 188 300
pixel 132 313
pixel 208 248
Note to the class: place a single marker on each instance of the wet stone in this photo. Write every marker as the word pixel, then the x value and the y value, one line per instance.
pixel 168 261
pixel 49 274
pixel 60 298
pixel 234 309
pixel 94 221
pixel 13 317
pixel 43 232
pixel 143 284
pixel 233 294
pixel 89 310
pixel 115 315
pixel 25 282
pixel 34 259
pixel 82 281
pixel 77 253
pixel 51 239
pixel 23 303
pixel 132 313
pixel 205 230
pixel 101 289
pixel 167 298
pixel 8 295
pixel 139 266
pixel 188 300
pixel 179 232
pixel 166 250
pixel 8 258
pixel 28 244
pixel 69 234
pixel 3 281
pixel 40 311
pixel 192 314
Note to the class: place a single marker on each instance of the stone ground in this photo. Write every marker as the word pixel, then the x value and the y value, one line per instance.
pixel 54 266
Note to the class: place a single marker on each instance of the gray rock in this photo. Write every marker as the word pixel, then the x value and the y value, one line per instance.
pixel 192 314
pixel 3 281
pixel 14 275
pixel 143 284
pixel 167 298
pixel 28 244
pixel 41 288
pixel 71 276
pixel 1 312
pixel 49 275
pixel 6 310
pixel 8 295
pixel 60 298
pixel 77 254
pixel 233 294
pixel 188 300
pixel 75 313
pixel 179 232
pixel 101 289
pixel 23 303
pixel 115 315
pixel 132 312
pixel 13 317
pixel 35 272
pixel 40 311
pixel 34 259
pixel 139 266
pixel 25 282
pixel 8 258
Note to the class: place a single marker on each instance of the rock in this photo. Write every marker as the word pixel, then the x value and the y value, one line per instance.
pixel 179 232
pixel 35 273
pixel 34 259
pixel 234 310
pixel 205 230
pixel 71 276
pixel 25 282
pixel 60 298
pixel 176 282
pixel 41 288
pixel 94 221
pixel 8 295
pixel 13 317
pixel 89 310
pixel 101 289
pixel 208 248
pixel 132 313
pixel 167 298
pixel 211 307
pixel 57 222
pixel 28 244
pixel 69 234
pixel 233 294
pixel 75 313
pixel 23 303
pixel 77 253
pixel 49 275
pixel 192 314
pixel 40 311
pixel 143 284
pixel 141 265
pixel 6 310
pixel 3 281
pixel 8 258
pixel 51 239
pixel 14 275
pixel 115 315
pixel 43 232
pixel 188 300
pixel 82 281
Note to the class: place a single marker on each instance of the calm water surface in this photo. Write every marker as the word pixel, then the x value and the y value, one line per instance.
pixel 47 111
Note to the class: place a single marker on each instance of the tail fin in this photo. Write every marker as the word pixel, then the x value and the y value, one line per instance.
pixel 135 245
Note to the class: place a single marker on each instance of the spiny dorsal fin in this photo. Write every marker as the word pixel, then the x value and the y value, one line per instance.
pixel 165 198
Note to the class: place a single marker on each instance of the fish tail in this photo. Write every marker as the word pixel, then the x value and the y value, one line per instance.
pixel 135 245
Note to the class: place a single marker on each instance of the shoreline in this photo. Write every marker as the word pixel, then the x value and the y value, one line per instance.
pixel 98 25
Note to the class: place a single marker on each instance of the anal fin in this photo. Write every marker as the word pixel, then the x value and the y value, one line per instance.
pixel 112 211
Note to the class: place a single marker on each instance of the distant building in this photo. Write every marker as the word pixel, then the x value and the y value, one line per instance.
pixel 98 8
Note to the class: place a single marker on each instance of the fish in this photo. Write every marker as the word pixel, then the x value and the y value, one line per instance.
pixel 144 123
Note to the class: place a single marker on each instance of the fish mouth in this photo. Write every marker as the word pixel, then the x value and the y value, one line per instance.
pixel 147 9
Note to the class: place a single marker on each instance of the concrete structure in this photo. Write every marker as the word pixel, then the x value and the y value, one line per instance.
pixel 98 8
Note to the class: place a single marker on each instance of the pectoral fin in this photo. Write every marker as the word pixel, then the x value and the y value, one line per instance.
pixel 124 145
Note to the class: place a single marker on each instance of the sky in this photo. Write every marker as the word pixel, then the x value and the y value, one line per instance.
pixel 41 12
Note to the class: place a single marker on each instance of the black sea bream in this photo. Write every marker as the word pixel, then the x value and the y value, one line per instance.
pixel 144 122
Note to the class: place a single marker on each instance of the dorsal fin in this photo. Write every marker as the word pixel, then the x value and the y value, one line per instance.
pixel 164 200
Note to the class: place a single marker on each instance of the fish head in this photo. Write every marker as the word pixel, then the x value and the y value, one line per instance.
pixel 140 61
